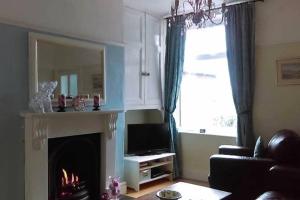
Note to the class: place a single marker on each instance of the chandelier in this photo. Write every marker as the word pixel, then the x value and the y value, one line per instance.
pixel 196 13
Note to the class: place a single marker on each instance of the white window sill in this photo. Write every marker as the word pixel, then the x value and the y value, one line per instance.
pixel 188 131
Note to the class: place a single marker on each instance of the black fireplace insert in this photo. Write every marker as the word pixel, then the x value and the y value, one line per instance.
pixel 74 167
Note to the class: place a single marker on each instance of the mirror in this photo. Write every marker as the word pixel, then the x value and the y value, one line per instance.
pixel 77 66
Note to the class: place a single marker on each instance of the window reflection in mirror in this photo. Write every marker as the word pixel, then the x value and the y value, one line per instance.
pixel 68 85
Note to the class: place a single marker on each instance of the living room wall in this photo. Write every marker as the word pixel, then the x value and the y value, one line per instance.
pixel 196 150
pixel 92 19
pixel 276 107
pixel 277 37
pixel 14 99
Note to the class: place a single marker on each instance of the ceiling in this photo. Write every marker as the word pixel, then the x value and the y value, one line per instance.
pixel 154 7
pixel 159 8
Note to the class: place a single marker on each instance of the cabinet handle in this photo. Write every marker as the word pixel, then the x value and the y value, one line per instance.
pixel 145 74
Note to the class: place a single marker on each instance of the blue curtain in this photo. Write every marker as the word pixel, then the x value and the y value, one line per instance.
pixel 240 39
pixel 175 42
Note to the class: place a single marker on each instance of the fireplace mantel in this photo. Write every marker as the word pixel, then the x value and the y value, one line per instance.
pixel 39 127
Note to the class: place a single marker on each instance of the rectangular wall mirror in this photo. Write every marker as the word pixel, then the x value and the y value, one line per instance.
pixel 77 66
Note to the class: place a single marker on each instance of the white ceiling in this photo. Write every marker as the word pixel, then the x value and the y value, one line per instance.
pixel 155 7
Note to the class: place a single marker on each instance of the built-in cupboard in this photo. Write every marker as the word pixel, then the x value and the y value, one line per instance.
pixel 143 56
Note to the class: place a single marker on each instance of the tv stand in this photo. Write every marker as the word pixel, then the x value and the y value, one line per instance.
pixel 138 169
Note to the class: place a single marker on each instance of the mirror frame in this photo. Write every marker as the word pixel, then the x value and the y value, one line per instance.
pixel 33 39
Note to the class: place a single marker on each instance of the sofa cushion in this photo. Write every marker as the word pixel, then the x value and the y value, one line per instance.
pixel 259 149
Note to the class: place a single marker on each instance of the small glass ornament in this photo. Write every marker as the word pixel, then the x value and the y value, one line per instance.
pixel 79 104
pixel 41 100
pixel 104 196
pixel 114 188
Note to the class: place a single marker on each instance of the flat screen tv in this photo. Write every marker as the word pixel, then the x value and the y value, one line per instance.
pixel 146 139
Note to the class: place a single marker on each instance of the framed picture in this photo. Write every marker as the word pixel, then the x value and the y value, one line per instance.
pixel 288 71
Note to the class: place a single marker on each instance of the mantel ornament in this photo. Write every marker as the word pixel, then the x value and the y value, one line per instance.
pixel 41 100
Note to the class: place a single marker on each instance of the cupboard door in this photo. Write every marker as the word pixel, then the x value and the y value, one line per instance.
pixel 134 38
pixel 153 89
pixel 134 81
pixel 134 27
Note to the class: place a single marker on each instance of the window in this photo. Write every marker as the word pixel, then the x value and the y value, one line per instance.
pixel 205 103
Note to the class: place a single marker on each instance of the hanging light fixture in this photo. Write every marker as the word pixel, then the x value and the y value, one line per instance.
pixel 197 13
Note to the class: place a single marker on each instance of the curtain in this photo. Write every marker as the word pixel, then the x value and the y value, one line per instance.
pixel 175 41
pixel 240 40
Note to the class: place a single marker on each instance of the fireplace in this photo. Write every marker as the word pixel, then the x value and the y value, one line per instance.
pixel 69 156
pixel 74 167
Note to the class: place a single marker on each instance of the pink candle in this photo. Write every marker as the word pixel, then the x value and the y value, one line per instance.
pixel 62 101
pixel 97 100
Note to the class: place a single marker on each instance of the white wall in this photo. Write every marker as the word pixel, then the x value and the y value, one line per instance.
pixel 277 22
pixel 196 150
pixel 275 107
pixel 278 37
pixel 99 20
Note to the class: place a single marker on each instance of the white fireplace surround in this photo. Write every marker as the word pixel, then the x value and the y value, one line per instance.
pixel 40 127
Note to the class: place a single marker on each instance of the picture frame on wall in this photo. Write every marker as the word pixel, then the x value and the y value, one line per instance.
pixel 288 71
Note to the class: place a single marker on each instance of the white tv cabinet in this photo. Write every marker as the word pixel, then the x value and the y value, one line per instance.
pixel 138 169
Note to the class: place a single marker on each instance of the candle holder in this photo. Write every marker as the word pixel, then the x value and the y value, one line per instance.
pixel 61 103
pixel 96 102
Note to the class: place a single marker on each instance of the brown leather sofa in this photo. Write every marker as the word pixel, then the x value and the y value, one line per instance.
pixel 235 169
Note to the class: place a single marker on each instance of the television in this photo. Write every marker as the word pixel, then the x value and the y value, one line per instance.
pixel 147 139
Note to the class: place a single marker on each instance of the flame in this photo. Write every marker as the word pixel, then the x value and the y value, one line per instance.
pixel 66 180
pixel 65 177
pixel 72 180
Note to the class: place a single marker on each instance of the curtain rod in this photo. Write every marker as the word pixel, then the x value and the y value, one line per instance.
pixel 232 3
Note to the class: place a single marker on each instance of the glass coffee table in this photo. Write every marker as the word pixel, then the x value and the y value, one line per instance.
pixel 191 192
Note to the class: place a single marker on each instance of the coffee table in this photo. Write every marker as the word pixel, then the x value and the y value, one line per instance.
pixel 192 192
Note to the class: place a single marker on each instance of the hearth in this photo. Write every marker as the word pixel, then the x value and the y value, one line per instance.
pixel 74 167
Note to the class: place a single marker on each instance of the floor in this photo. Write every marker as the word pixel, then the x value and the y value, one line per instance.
pixel 157 185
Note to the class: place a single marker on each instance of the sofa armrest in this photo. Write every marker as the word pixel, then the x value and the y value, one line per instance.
pixel 235 150
pixel 285 179
pixel 234 173
pixel 289 172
